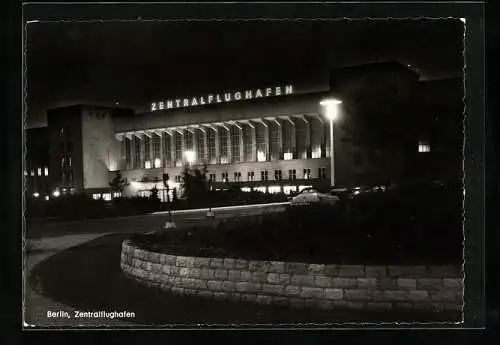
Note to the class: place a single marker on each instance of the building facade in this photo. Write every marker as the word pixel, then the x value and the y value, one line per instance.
pixel 273 139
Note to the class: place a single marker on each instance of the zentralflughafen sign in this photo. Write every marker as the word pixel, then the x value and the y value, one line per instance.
pixel 222 98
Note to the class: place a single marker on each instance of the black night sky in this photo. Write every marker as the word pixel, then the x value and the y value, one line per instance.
pixel 134 63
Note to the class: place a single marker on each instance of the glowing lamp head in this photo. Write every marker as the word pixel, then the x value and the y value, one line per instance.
pixel 36 195
pixel 56 193
pixel 190 156
pixel 331 106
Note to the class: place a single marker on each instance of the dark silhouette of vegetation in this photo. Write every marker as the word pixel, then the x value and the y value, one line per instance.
pixel 118 183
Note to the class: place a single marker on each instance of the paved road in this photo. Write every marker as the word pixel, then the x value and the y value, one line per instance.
pixel 142 223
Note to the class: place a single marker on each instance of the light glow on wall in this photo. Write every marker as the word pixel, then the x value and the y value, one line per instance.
pixel 289 189
pixel 157 162
pixel 274 189
pixel 190 156
pixel 36 195
pixel 147 164
pixel 246 189
pixel 261 156
pixel 288 156
pixel 260 189
pixel 316 153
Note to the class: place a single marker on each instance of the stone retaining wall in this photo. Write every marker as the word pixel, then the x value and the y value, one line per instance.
pixel 299 284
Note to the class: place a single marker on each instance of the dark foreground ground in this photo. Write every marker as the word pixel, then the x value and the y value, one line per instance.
pixel 88 277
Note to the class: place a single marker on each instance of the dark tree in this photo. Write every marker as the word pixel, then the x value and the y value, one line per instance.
pixel 174 195
pixel 194 183
pixel 154 194
pixel 118 183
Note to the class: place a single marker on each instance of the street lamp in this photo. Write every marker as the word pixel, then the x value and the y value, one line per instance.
pixel 332 110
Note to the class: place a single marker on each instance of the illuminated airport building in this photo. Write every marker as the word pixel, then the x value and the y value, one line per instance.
pixel 273 139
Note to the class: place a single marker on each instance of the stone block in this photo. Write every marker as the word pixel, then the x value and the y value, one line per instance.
pixel 331 270
pixel 406 284
pixel 284 279
pixel 311 292
pixel 171 260
pixel 322 281
pixel 366 283
pixel 377 296
pixel 430 284
pixel 207 273
pixel 344 283
pixel 273 278
pixel 220 295
pixel 357 295
pixel 271 289
pixel 292 290
pixel 302 280
pixel 336 294
pixel 396 295
pixel 166 269
pixel 378 305
pixel 248 287
pixel 283 301
pixel 316 268
pixel 277 267
pixel 202 263
pixel 220 274
pixel 263 299
pixel 228 286
pixel 229 263
pixel 154 257
pixel 417 295
pixel 216 263
pixel 259 277
pixel 296 268
pixel 246 276
pixel 214 285
pixel 375 271
pixel 258 266
pixel 413 271
pixel 177 290
pixel 386 283
pixel 241 264
pixel 444 271
pixel 248 297
pixel 205 293
pixel 297 302
pixel 234 275
pixel 352 271
pixel 453 283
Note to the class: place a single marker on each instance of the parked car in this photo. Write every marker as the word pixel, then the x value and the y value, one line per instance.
pixel 310 196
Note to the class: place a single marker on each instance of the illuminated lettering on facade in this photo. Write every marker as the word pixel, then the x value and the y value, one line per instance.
pixel 225 97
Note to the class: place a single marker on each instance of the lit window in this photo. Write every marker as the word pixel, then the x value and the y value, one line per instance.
pixel 246 189
pixel 32 172
pixel 301 188
pixel 288 156
pixel 36 195
pixel 289 189
pixel 224 160
pixel 47 197
pixel 307 174
pixel 316 153
pixel 424 147
pixel 25 172
pixel 117 195
pixel 39 172
pixel 62 162
pixel 96 196
pixel 261 156
pixel 69 162
pixel 147 164
pixel 157 162
pixel 106 196
pixel 46 171
pixel 225 177
pixel 274 189
pixel 237 176
pixel 260 189
pixel 251 175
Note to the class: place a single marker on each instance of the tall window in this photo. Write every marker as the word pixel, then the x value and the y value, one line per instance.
pixel 224 176
pixel 322 172
pixel 288 140
pixel 167 149
pixel 147 147
pixel 277 175
pixel 212 177
pixel 292 174
pixel 251 175
pixel 274 134
pixel 235 143
pixel 261 138
pixel 200 139
pixel 301 134
pixel 156 151
pixel 223 145
pixel 237 176
pixel 188 140
pixel 137 152
pixel 128 152
pixel 211 145
pixel 178 148
pixel 39 171
pixel 264 175
pixel 46 171
pixel 248 143
pixel 317 133
pixel 307 174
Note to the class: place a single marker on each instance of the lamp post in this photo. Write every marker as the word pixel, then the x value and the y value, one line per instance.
pixel 332 107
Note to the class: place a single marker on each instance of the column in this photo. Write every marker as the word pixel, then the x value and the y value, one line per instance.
pixel 280 139
pixel 160 134
pixel 205 144
pixel 132 152
pixel 254 142
pixel 183 145
pixel 308 136
pixel 142 148
pixel 151 151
